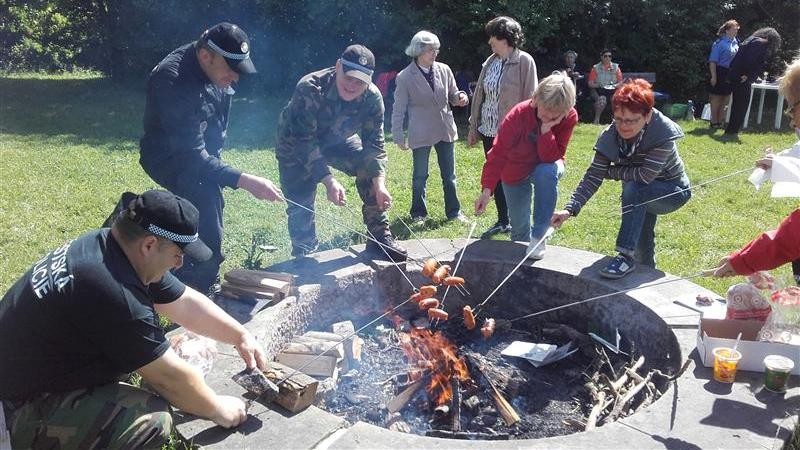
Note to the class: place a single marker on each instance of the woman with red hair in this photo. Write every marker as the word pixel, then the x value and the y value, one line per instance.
pixel 639 148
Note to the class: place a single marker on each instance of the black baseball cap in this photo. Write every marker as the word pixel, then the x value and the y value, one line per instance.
pixel 232 43
pixel 358 61
pixel 168 216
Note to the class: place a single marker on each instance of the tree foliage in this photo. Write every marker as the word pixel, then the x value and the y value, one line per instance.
pixel 125 38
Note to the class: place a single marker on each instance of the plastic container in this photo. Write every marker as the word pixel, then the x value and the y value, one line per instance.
pixel 726 362
pixel 678 111
pixel 776 371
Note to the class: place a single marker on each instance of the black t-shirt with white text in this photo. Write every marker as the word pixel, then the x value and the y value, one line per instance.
pixel 80 317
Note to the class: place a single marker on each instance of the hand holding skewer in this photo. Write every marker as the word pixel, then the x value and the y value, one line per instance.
pixel 335 191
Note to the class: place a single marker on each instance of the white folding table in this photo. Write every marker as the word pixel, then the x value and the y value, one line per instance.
pixel 763 88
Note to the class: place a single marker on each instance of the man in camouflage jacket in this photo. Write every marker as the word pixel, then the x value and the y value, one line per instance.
pixel 335 118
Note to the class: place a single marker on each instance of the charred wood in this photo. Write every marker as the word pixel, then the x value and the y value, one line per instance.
pixel 455 404
pixel 467 435
pixel 401 400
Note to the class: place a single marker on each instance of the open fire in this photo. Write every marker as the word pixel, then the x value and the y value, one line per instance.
pixel 432 351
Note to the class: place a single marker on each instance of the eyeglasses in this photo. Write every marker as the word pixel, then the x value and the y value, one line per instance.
pixel 627 122
pixel 790 110
pixel 607 55
pixel 432 50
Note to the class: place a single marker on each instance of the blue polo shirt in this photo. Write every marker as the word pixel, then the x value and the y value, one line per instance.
pixel 80 317
pixel 723 50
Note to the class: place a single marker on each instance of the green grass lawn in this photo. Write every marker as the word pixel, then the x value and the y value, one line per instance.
pixel 69 147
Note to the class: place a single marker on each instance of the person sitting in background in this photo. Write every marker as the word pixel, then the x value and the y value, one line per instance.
pixel 782 245
pixel 508 77
pixel 640 149
pixel 87 315
pixel 722 52
pixel 570 66
pixel 603 81
pixel 746 67
pixel 425 90
pixel 528 157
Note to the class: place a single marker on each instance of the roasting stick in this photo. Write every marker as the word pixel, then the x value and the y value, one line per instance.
pixel 642 286
pixel 458 263
pixel 422 244
pixel 628 208
pixel 336 220
pixel 547 234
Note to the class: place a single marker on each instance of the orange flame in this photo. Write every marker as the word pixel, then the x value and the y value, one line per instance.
pixel 433 350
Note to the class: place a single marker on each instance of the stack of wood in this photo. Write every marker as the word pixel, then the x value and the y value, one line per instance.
pixel 324 354
pixel 243 284
pixel 619 393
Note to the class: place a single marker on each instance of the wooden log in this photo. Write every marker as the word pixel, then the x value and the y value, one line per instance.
pixel 620 382
pixel 296 393
pixel 401 400
pixel 455 404
pixel 618 408
pixel 323 336
pixel 467 435
pixel 238 291
pixel 505 409
pixel 314 365
pixel 277 281
pixel 347 331
pixel 315 348
pixel 599 405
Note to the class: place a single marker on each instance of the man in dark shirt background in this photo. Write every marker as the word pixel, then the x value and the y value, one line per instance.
pixel 84 317
pixel 185 124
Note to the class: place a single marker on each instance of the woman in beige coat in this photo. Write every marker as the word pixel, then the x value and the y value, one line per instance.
pixel 425 90
pixel 508 77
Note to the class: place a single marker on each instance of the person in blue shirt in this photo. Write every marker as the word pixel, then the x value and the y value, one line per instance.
pixel 719 61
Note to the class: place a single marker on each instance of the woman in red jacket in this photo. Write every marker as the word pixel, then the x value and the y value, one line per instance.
pixel 528 157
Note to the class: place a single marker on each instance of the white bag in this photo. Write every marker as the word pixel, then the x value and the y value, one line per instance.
pixel 706 115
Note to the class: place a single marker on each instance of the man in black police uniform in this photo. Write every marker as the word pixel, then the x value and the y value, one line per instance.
pixel 185 123
pixel 84 316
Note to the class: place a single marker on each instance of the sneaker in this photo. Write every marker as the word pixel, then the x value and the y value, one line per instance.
pixel 497 228
pixel 418 220
pixel 620 266
pixel 301 251
pixel 537 253
pixel 390 246
pixel 459 218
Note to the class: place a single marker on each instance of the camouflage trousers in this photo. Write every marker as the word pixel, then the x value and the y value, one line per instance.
pixel 297 185
pixel 115 415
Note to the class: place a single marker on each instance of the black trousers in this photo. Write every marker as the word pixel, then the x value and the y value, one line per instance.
pixel 207 198
pixel 499 196
pixel 741 100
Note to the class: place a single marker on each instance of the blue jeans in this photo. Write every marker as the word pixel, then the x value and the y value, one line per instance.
pixel 637 232
pixel 543 184
pixel 445 156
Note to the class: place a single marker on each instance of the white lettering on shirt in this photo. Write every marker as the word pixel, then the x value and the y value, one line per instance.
pixel 51 272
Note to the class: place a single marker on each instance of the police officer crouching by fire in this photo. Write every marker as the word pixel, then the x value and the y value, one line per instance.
pixel 84 317
pixel 335 119
pixel 185 125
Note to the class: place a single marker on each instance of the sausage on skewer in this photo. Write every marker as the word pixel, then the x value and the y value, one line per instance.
pixel 427 291
pixel 453 281
pixel 429 303
pixel 415 297
pixel 429 267
pixel 440 273
pixel 488 328
pixel 438 314
pixel 469 318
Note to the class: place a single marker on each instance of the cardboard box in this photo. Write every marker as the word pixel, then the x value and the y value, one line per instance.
pixel 715 333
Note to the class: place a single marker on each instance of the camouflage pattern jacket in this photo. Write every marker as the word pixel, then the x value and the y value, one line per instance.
pixel 316 118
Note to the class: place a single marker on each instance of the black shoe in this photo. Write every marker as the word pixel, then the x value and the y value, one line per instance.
pixel 390 250
pixel 497 228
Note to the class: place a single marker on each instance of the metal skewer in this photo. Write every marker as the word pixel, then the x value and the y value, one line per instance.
pixel 458 263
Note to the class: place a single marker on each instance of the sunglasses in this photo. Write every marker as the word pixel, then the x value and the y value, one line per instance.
pixel 789 112
pixel 607 56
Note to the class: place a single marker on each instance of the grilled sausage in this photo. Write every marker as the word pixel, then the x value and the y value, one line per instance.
pixel 429 303
pixel 436 313
pixel 469 318
pixel 429 267
pixel 453 281
pixel 415 297
pixel 488 328
pixel 440 273
pixel 427 291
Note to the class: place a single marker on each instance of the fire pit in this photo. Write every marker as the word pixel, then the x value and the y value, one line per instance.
pixel 551 401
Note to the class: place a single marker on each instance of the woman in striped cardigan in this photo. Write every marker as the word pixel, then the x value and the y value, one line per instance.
pixel 640 149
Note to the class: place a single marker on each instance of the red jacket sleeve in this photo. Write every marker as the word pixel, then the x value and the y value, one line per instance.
pixel 508 135
pixel 552 145
pixel 770 250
